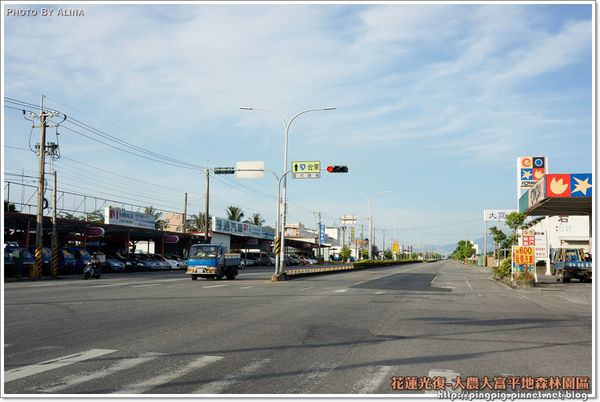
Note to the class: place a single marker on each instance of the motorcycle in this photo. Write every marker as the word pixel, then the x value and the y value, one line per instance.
pixel 91 270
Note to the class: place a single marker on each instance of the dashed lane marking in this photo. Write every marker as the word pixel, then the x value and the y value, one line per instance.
pixel 213 286
pixel 124 364
pixel 171 375
pixel 372 379
pixel 145 286
pixel 340 290
pixel 33 369
pixel 450 376
pixel 466 280
pixel 217 387
pixel 315 373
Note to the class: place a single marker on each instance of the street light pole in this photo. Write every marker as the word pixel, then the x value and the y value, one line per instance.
pixel 283 209
pixel 370 219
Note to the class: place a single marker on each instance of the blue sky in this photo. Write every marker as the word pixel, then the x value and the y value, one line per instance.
pixel 434 102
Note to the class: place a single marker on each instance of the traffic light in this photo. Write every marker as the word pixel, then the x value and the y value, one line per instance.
pixel 224 170
pixel 337 169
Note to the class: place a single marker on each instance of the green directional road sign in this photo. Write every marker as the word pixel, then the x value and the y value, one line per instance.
pixel 306 169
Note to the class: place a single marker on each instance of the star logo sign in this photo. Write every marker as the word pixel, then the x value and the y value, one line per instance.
pixel 580 184
pixel 526 174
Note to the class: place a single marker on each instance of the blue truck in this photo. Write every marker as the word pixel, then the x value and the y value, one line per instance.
pixel 210 261
pixel 569 263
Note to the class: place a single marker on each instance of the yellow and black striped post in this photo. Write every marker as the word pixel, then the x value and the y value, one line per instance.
pixel 277 245
pixel 37 267
pixel 55 260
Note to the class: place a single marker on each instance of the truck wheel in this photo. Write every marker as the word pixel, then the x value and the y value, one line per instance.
pixel 219 277
pixel 559 275
pixel 194 277
pixel 230 276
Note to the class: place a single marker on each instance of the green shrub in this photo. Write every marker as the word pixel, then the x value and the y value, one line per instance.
pixel 504 269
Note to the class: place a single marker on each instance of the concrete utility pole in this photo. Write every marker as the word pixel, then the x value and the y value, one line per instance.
pixel 39 227
pixel 319 234
pixel 184 228
pixel 54 229
pixel 206 220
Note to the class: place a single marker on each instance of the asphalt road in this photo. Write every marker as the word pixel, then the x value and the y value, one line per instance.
pixel 343 333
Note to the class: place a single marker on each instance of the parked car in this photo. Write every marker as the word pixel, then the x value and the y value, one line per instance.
pixel 82 256
pixel 21 261
pixel 265 259
pixel 140 262
pixel 67 262
pixel 291 260
pixel 114 264
pixel 46 259
pixel 160 261
pixel 128 263
pixel 176 261
pixel 308 260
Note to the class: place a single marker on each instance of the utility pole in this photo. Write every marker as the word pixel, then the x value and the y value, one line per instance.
pixel 183 229
pixel 206 220
pixel 54 229
pixel 39 227
pixel 319 235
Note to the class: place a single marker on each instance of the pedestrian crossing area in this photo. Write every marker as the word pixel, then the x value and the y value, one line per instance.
pixel 110 371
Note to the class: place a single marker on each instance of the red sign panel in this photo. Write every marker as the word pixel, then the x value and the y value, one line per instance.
pixel 558 185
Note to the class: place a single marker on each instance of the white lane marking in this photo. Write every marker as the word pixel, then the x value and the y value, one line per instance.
pixel 144 286
pixel 251 274
pixel 33 369
pixel 315 373
pixel 144 386
pixel 217 387
pixel 450 376
pixel 340 290
pixel 358 283
pixel 213 286
pixel 108 286
pixel 310 287
pixel 372 379
pixel 466 280
pixel 434 278
pixel 245 287
pixel 124 364
pixel 380 292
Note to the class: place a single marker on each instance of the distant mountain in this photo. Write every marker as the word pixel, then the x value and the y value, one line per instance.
pixel 449 248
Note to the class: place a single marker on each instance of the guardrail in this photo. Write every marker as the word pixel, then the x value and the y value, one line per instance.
pixel 291 273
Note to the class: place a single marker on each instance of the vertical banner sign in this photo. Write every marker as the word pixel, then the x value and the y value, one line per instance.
pixel 541 251
pixel 523 260
pixel 528 238
pixel 322 234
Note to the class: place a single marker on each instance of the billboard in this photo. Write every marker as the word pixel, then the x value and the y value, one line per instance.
pixel 118 216
pixel 496 214
pixel 245 229
pixel 530 169
pixel 569 185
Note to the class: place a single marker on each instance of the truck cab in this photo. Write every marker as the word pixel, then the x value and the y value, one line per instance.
pixel 211 262
pixel 569 263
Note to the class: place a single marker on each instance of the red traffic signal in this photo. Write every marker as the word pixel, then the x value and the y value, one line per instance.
pixel 337 169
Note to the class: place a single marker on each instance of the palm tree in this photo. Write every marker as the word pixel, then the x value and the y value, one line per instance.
pixel 198 222
pixel 257 219
pixel 234 213
pixel 158 223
